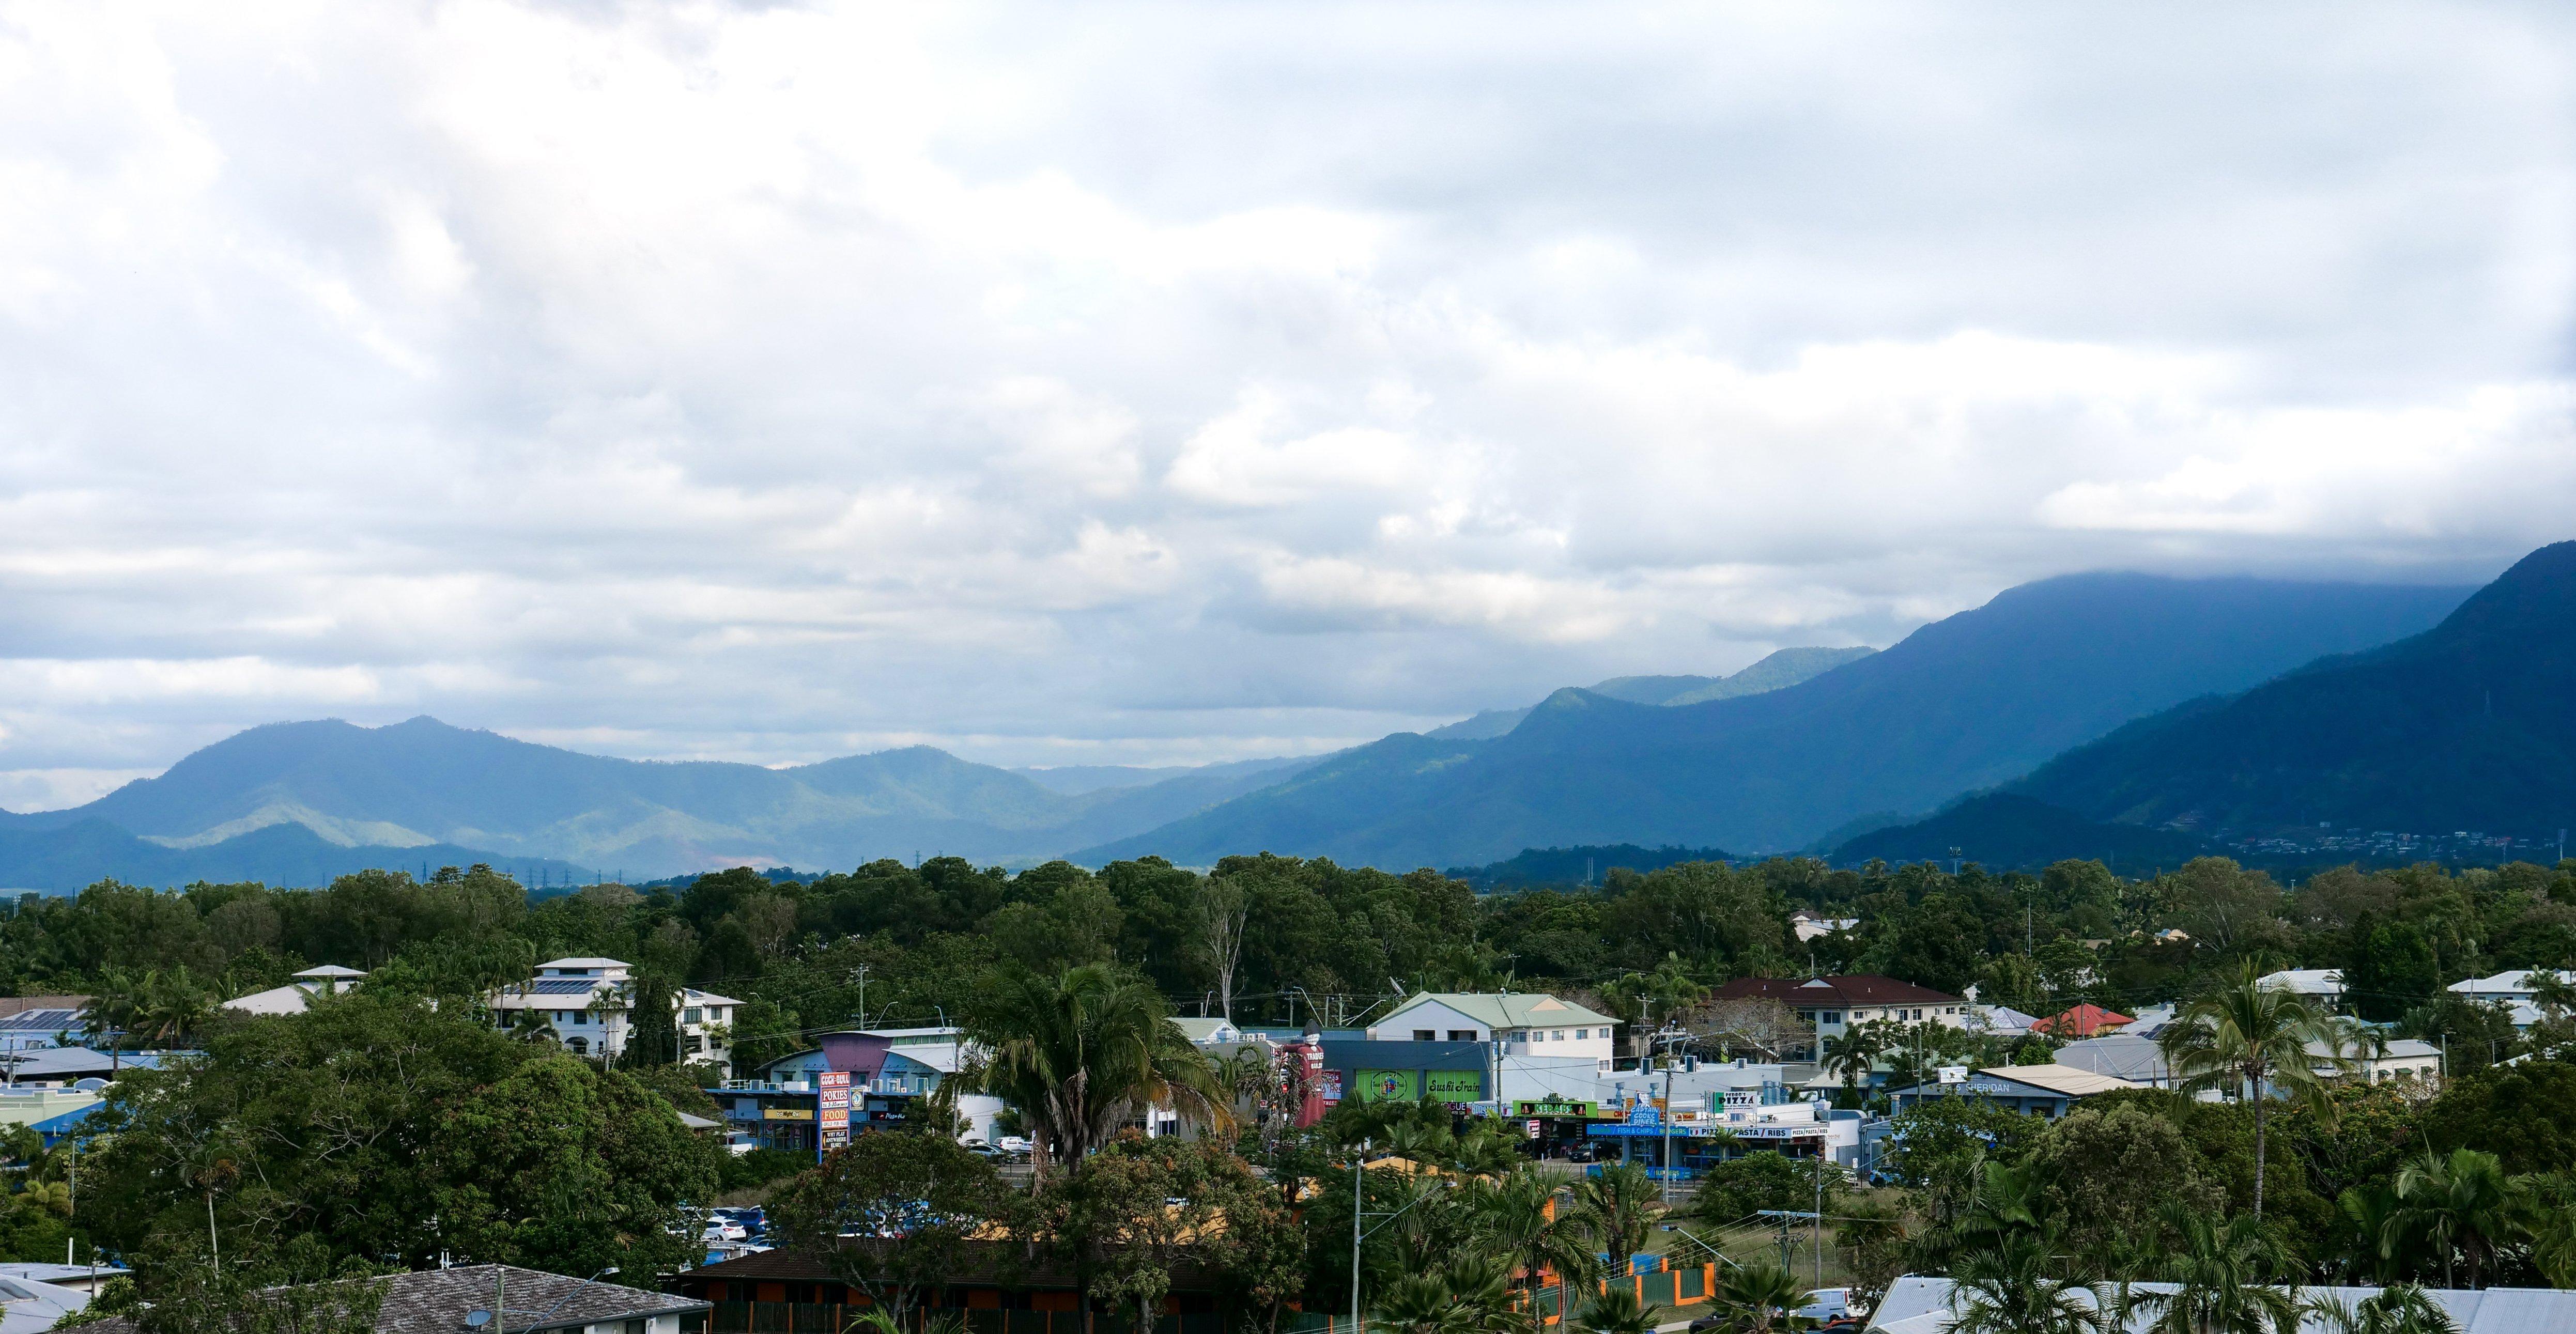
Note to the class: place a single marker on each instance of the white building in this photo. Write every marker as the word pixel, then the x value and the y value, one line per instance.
pixel 1810 924
pixel 295 997
pixel 1834 1005
pixel 588 1004
pixel 1208 1031
pixel 2513 990
pixel 1524 1023
pixel 2321 985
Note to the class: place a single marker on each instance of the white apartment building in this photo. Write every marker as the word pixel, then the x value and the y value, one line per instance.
pixel 588 1005
pixel 1524 1023
pixel 2513 989
pixel 1835 1005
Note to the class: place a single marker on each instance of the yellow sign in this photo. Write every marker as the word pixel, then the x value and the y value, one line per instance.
pixel 787 1114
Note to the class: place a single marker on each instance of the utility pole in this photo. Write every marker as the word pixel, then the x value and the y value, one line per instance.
pixel 1820 1213
pixel 863 995
pixel 1359 1166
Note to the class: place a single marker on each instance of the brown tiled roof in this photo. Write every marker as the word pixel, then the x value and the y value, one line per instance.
pixel 436 1301
pixel 1857 989
pixel 999 1264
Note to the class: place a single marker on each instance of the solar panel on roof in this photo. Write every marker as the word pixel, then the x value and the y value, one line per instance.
pixel 564 986
pixel 39 1021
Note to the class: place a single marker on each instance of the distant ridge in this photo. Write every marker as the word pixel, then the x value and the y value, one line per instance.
pixel 2468 726
pixel 423 782
pixel 1964 704
pixel 1777 671
pixel 71 857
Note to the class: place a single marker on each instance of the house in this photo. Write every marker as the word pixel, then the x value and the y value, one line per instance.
pixel 587 1004
pixel 529 1301
pixel 29 1023
pixel 1920 1305
pixel 2087 1020
pixel 1522 1023
pixel 1026 1289
pixel 2000 1020
pixel 2515 990
pixel 87 1278
pixel 1810 924
pixel 2044 1090
pixel 2323 986
pixel 2131 1055
pixel 1206 1031
pixel 330 979
pixel 1833 1005
pixel 31 1305
pixel 883 1071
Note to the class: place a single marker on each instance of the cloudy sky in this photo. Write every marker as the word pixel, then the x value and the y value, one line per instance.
pixel 1108 383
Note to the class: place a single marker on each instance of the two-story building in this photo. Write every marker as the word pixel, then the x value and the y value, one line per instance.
pixel 1835 1005
pixel 1521 1023
pixel 588 1005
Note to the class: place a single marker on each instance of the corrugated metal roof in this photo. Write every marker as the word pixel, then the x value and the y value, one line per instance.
pixel 1921 1305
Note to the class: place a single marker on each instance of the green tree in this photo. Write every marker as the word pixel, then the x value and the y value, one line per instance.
pixel 1615 1310
pixel 2391 968
pixel 2399 1309
pixel 1135 1211
pixel 1519 1216
pixel 2111 1172
pixel 2461 1205
pixel 2013 1288
pixel 2225 1275
pixel 2249 1041
pixel 1080 1053
pixel 1616 1211
pixel 917 1198
pixel 1758 1298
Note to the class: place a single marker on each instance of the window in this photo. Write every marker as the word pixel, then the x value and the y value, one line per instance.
pixel 578 1046
pixel 1557 1036
pixel 697 1043
pixel 1424 1035
pixel 691 1015
pixel 1462 1035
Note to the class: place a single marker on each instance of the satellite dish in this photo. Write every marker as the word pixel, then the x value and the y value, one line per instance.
pixel 477 1319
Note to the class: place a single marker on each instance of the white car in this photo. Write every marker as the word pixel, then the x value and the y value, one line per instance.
pixel 723 1229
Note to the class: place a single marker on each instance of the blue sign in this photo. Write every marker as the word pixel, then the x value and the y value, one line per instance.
pixel 1645 1114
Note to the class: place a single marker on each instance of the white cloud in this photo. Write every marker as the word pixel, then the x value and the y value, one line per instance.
pixel 1171 382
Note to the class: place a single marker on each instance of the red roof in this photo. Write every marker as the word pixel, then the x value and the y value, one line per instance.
pixel 2083 1021
pixel 1858 989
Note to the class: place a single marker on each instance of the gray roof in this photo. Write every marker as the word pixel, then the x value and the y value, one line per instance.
pixel 1916 1305
pixel 1510 1009
pixel 435 1301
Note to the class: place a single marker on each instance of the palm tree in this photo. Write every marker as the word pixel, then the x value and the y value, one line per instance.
pixel 1081 1053
pixel 2222 1274
pixel 2462 1205
pixel 173 1007
pixel 1615 1211
pixel 2008 1289
pixel 1851 1054
pixel 111 1011
pixel 2399 1309
pixel 2372 1231
pixel 2249 1040
pixel 1615 1311
pixel 1759 1298
pixel 1671 989
pixel 1521 1217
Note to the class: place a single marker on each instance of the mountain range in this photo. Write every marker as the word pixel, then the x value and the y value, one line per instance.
pixel 2468 726
pixel 422 783
pixel 2105 706
pixel 1969 702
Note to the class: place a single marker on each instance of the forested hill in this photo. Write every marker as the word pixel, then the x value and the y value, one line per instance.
pixel 2471 725
pixel 423 782
pixel 1776 671
pixel 1965 703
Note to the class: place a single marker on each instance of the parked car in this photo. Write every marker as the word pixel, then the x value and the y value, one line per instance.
pixel 724 1229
